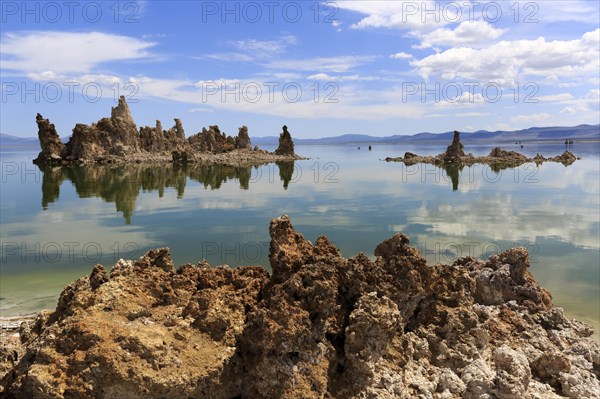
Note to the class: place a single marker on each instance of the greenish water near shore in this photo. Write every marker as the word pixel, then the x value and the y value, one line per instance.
pixel 57 223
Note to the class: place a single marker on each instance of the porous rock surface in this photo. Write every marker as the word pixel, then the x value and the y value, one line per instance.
pixel 116 139
pixel 52 147
pixel 321 326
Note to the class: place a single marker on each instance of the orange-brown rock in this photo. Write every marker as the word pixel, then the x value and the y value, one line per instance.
pixel 322 326
pixel 116 139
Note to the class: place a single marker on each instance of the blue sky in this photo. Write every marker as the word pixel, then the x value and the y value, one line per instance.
pixel 322 68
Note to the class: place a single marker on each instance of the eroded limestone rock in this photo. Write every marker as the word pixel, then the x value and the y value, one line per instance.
pixel 322 326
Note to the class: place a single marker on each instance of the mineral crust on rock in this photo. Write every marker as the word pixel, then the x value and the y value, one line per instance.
pixel 117 140
pixel 52 147
pixel 321 326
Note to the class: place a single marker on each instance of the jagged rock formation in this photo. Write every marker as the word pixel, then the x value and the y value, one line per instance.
pixel 117 139
pixel 116 136
pixel 498 152
pixel 498 158
pixel 286 145
pixel 321 326
pixel 243 138
pixel 52 147
pixel 212 140
pixel 454 150
pixel 157 140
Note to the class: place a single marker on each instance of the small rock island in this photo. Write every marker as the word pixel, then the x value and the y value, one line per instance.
pixel 318 326
pixel 455 156
pixel 116 139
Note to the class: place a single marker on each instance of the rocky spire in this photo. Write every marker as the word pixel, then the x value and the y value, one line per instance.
pixel 455 150
pixel 121 111
pixel 179 129
pixel 50 143
pixel 286 145
pixel 243 139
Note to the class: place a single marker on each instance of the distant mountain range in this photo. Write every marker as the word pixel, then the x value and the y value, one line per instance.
pixel 581 132
pixel 7 141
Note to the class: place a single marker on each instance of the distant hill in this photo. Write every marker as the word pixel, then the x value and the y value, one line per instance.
pixel 581 132
pixel 10 142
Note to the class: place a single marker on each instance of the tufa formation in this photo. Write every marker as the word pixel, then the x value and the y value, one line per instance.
pixel 455 156
pixel 286 145
pixel 320 326
pixel 117 139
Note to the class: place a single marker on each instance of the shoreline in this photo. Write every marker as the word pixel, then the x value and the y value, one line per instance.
pixel 239 157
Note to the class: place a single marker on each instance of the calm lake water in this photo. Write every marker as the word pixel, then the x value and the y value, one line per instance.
pixel 56 224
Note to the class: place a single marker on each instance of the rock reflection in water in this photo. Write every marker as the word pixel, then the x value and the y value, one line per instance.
pixel 454 172
pixel 121 184
pixel 286 171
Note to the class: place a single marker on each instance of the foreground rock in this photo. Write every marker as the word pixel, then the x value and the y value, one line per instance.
pixel 499 158
pixel 117 140
pixel 321 326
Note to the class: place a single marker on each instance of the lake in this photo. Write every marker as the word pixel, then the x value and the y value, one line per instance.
pixel 56 224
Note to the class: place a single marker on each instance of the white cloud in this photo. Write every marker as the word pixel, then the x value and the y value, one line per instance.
pixel 254 50
pixel 593 95
pixel 565 10
pixel 465 99
pixel 281 76
pixel 401 56
pixel 568 111
pixel 499 127
pixel 68 52
pixel 588 104
pixel 396 14
pixel 508 60
pixel 229 57
pixel 225 83
pixel 200 110
pixel 467 33
pixel 471 114
pixel 265 48
pixel 555 97
pixel 348 78
pixel 324 64
pixel 45 76
pixel 350 103
pixel 153 35
pixel 532 118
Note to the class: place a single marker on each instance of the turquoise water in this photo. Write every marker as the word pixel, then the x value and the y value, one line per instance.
pixel 57 223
